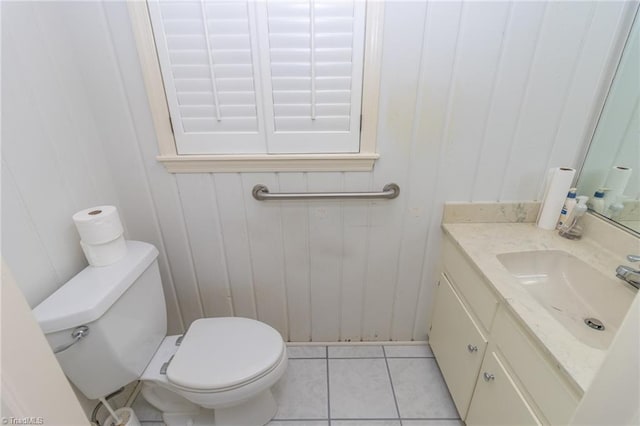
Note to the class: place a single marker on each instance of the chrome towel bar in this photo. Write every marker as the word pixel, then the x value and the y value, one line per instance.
pixel 261 193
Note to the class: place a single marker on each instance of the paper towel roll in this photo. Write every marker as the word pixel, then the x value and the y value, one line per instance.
pixel 616 182
pixel 559 181
pixel 98 225
pixel 105 254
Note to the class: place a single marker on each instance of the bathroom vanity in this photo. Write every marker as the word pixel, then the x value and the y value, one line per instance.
pixel 511 342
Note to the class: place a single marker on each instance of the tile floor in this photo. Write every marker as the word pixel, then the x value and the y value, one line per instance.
pixel 355 386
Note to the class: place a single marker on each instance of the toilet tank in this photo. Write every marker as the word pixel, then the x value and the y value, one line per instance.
pixel 123 306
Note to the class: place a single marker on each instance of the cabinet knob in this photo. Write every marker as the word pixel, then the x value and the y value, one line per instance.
pixel 488 377
pixel 472 348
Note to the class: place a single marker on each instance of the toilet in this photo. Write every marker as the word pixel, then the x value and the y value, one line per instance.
pixel 108 327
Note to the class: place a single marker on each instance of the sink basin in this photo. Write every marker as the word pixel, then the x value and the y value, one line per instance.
pixel 572 291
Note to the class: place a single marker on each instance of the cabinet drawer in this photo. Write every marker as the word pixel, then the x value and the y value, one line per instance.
pixel 473 289
pixel 457 344
pixel 497 400
pixel 550 392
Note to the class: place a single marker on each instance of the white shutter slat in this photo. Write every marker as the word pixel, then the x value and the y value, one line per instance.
pixel 199 57
pixel 226 10
pixel 314 63
pixel 180 42
pixel 225 98
pixel 304 96
pixel 227 26
pixel 183 27
pixel 287 69
pixel 304 55
pixel 181 10
pixel 230 111
pixel 320 124
pixel 209 64
pixel 301 25
pixel 204 84
pixel 208 125
pixel 304 110
pixel 304 83
pixel 332 9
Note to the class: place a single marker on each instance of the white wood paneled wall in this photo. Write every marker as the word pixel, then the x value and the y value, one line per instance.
pixel 477 101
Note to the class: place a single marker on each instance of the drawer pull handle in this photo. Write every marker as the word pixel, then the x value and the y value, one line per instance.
pixel 488 377
pixel 472 348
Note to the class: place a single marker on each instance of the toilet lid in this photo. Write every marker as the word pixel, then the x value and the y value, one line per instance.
pixel 222 352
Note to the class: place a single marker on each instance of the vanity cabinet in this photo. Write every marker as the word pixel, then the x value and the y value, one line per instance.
pixel 496 373
pixel 457 343
pixel 497 399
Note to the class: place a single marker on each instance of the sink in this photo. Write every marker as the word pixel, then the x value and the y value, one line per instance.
pixel 573 292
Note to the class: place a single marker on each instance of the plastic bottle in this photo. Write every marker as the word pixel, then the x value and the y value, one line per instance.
pixel 615 208
pixel 597 202
pixel 567 208
pixel 571 229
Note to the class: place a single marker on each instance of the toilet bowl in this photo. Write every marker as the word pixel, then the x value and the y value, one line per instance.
pixel 219 373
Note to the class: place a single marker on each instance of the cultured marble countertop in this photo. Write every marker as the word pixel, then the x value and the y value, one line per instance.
pixel 481 242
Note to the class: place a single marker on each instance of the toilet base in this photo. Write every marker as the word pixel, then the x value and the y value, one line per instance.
pixel 256 411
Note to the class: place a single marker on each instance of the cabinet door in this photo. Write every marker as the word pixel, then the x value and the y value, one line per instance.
pixel 457 344
pixel 497 400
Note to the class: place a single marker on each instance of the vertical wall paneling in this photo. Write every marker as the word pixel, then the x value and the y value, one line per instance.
pixel 294 221
pixel 27 253
pixel 50 113
pixel 355 241
pixel 560 43
pixel 519 47
pixel 267 257
pixel 479 52
pixel 433 82
pixel 325 255
pixel 477 100
pixel 47 193
pixel 443 23
pixel 403 27
pixel 205 240
pixel 228 189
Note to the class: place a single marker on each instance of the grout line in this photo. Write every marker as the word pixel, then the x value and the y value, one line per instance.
pixel 328 391
pixel 365 357
pixel 393 391
pixel 352 419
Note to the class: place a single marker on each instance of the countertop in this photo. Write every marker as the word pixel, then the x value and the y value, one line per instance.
pixel 481 242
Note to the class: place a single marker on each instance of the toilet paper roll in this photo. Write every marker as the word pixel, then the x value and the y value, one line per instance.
pixel 98 225
pixel 616 182
pixel 559 181
pixel 105 254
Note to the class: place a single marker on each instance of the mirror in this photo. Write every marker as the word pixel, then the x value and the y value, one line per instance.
pixel 612 165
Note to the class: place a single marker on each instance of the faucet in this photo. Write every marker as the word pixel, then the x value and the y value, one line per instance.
pixel 628 274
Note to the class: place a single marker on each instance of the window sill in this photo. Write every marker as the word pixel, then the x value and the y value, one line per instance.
pixel 359 162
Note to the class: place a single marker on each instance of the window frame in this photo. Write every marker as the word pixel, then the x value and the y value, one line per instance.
pixel 202 163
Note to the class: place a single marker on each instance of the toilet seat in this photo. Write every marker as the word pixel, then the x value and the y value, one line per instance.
pixel 218 354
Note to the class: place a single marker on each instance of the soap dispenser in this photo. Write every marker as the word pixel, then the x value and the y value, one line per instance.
pixel 571 229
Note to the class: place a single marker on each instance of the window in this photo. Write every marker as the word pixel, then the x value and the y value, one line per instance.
pixel 261 85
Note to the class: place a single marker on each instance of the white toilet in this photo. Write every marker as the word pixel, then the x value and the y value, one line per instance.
pixel 219 373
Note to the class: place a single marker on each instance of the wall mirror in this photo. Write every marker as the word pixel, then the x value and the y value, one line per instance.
pixel 612 165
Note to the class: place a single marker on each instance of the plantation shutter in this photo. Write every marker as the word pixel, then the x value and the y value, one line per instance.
pixel 276 76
